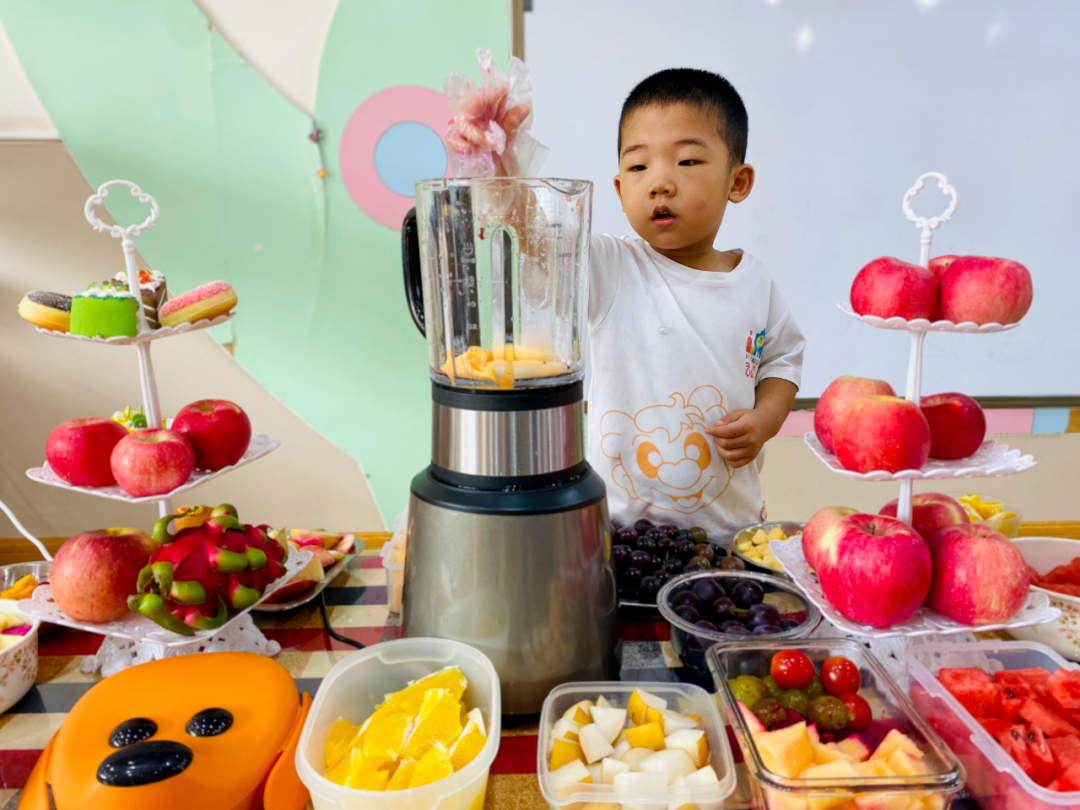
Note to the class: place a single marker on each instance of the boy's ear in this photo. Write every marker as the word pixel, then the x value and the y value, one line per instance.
pixel 742 183
pixel 618 188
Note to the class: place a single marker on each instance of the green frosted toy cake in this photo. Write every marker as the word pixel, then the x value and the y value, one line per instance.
pixel 107 311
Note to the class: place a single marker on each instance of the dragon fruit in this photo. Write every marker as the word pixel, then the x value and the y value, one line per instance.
pixel 200 572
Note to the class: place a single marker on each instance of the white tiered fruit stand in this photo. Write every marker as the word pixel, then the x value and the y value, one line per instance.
pixel 990 460
pixel 134 639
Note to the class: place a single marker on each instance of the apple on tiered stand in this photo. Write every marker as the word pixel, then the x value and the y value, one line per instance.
pixel 917 568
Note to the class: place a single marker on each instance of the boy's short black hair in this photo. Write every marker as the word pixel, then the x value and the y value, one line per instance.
pixel 709 92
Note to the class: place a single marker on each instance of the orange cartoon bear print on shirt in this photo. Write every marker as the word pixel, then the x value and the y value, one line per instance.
pixel 662 454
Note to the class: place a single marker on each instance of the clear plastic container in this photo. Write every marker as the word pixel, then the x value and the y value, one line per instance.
pixel 995 781
pixel 681 697
pixel 891 709
pixel 393 561
pixel 359 682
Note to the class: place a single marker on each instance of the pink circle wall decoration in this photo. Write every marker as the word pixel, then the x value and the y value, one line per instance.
pixel 356 156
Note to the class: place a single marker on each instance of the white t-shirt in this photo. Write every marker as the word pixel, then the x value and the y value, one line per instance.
pixel 671 351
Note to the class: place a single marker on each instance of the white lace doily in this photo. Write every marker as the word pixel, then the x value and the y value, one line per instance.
pixel 116 654
pixel 991 460
pixel 260 445
pixel 143 337
pixel 1037 609
pixel 924 325
pixel 138 628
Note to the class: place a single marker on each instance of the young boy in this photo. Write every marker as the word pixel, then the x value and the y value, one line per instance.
pixel 694 357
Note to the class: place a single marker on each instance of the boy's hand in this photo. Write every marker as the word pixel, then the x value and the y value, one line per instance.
pixel 740 435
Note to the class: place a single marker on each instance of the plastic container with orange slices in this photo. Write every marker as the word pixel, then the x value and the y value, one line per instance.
pixel 359 683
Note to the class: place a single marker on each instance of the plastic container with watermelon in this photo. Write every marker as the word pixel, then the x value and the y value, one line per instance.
pixel 1010 710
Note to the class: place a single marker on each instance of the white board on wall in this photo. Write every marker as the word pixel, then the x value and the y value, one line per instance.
pixel 849 102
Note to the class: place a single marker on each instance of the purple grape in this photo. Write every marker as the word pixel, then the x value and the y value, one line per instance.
pixel 718 550
pixel 695 560
pixel 685 534
pixel 661 575
pixel 656 533
pixel 631 578
pixel 685 549
pixel 723 610
pixel 687 597
pixel 665 547
pixel 769 613
pixel 766 630
pixel 691 568
pixel 706 590
pixel 669 529
pixel 620 555
pixel 624 593
pixel 788 624
pixel 646 543
pixel 628 536
pixel 688 613
pixel 674 565
pixel 656 563
pixel 705 550
pixel 747 593
pixel 643 526
pixel 734 629
pixel 642 560
pixel 705 624
pixel 648 589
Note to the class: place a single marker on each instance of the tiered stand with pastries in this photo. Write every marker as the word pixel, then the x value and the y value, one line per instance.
pixel 991 460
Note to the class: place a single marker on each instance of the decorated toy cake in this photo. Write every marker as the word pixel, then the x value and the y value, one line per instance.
pixel 105 311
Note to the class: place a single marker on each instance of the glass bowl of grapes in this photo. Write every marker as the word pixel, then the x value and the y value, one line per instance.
pixel 728 606
pixel 647 555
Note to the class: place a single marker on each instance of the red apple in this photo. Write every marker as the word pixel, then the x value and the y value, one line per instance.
pixel 888 287
pixel 834 400
pixel 78 451
pixel 985 290
pixel 979 576
pixel 94 572
pixel 219 431
pixel 821 521
pixel 874 570
pixel 957 425
pixel 930 513
pixel 938 265
pixel 152 462
pixel 882 433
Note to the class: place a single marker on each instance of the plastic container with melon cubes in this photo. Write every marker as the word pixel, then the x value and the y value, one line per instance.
pixel 681 697
pixel 891 709
pixel 358 683
pixel 994 779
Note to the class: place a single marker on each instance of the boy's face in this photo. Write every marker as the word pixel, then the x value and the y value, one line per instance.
pixel 675 176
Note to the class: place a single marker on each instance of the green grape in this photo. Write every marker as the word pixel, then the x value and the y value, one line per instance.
pixel 772 687
pixel 770 711
pixel 795 699
pixel 748 689
pixel 828 712
pixel 815 689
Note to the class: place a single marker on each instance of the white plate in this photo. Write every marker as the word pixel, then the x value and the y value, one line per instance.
pixel 144 337
pixel 991 460
pixel 1037 609
pixel 136 627
pixel 924 325
pixel 320 586
pixel 259 447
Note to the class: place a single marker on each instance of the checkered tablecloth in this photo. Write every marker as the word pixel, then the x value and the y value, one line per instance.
pixel 357 602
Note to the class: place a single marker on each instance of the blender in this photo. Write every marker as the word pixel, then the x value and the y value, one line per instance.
pixel 509 548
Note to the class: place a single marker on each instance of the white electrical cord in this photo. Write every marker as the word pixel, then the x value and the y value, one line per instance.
pixel 25 533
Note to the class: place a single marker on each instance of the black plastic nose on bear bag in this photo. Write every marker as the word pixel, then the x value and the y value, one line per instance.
pixel 144 763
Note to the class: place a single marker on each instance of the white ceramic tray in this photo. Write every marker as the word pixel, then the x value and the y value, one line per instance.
pixel 1036 610
pixel 143 337
pixel 923 325
pixel 992 460
pixel 136 627
pixel 320 586
pixel 259 447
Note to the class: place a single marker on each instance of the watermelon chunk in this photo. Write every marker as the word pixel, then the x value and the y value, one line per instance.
pixel 1043 767
pixel 1024 682
pixel 996 726
pixel 1048 722
pixel 1066 751
pixel 1014 741
pixel 974 689
pixel 1065 689
pixel 1009 707
pixel 1070 779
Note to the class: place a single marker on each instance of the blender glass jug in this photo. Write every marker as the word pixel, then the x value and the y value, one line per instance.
pixel 495 275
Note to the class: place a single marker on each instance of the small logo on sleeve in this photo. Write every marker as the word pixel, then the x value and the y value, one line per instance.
pixel 755 344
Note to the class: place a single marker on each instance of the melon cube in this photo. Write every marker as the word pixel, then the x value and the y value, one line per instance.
pixel 609 721
pixel 855 747
pixel 829 752
pixel 840 769
pixel 775 800
pixel 649 735
pixel 896 740
pixel 671 762
pixel 904 764
pixel 571 773
pixel 610 767
pixel 640 700
pixel 890 801
pixel 812 730
pixel 564 751
pixel 693 742
pixel 579 712
pixel 634 756
pixel 786 751
pixel 874 767
pixel 594 744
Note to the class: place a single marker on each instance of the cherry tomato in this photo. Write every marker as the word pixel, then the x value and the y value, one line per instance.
pixel 839 676
pixel 791 669
pixel 859 712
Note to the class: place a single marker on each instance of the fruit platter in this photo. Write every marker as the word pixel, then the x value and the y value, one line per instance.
pixel 331 553
pixel 751 545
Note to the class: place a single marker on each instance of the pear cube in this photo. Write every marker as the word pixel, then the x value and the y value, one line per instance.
pixel 693 742
pixel 671 762
pixel 610 767
pixel 673 721
pixel 609 721
pixel 594 743
pixel 634 756
pixel 603 702
pixel 620 749
pixel 571 773
pixel 579 712
pixel 639 701
pixel 564 730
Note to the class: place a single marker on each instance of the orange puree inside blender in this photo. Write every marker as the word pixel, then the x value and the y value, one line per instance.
pixel 513 363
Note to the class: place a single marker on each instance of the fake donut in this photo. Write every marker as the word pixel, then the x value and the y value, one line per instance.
pixel 203 303
pixel 48 310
